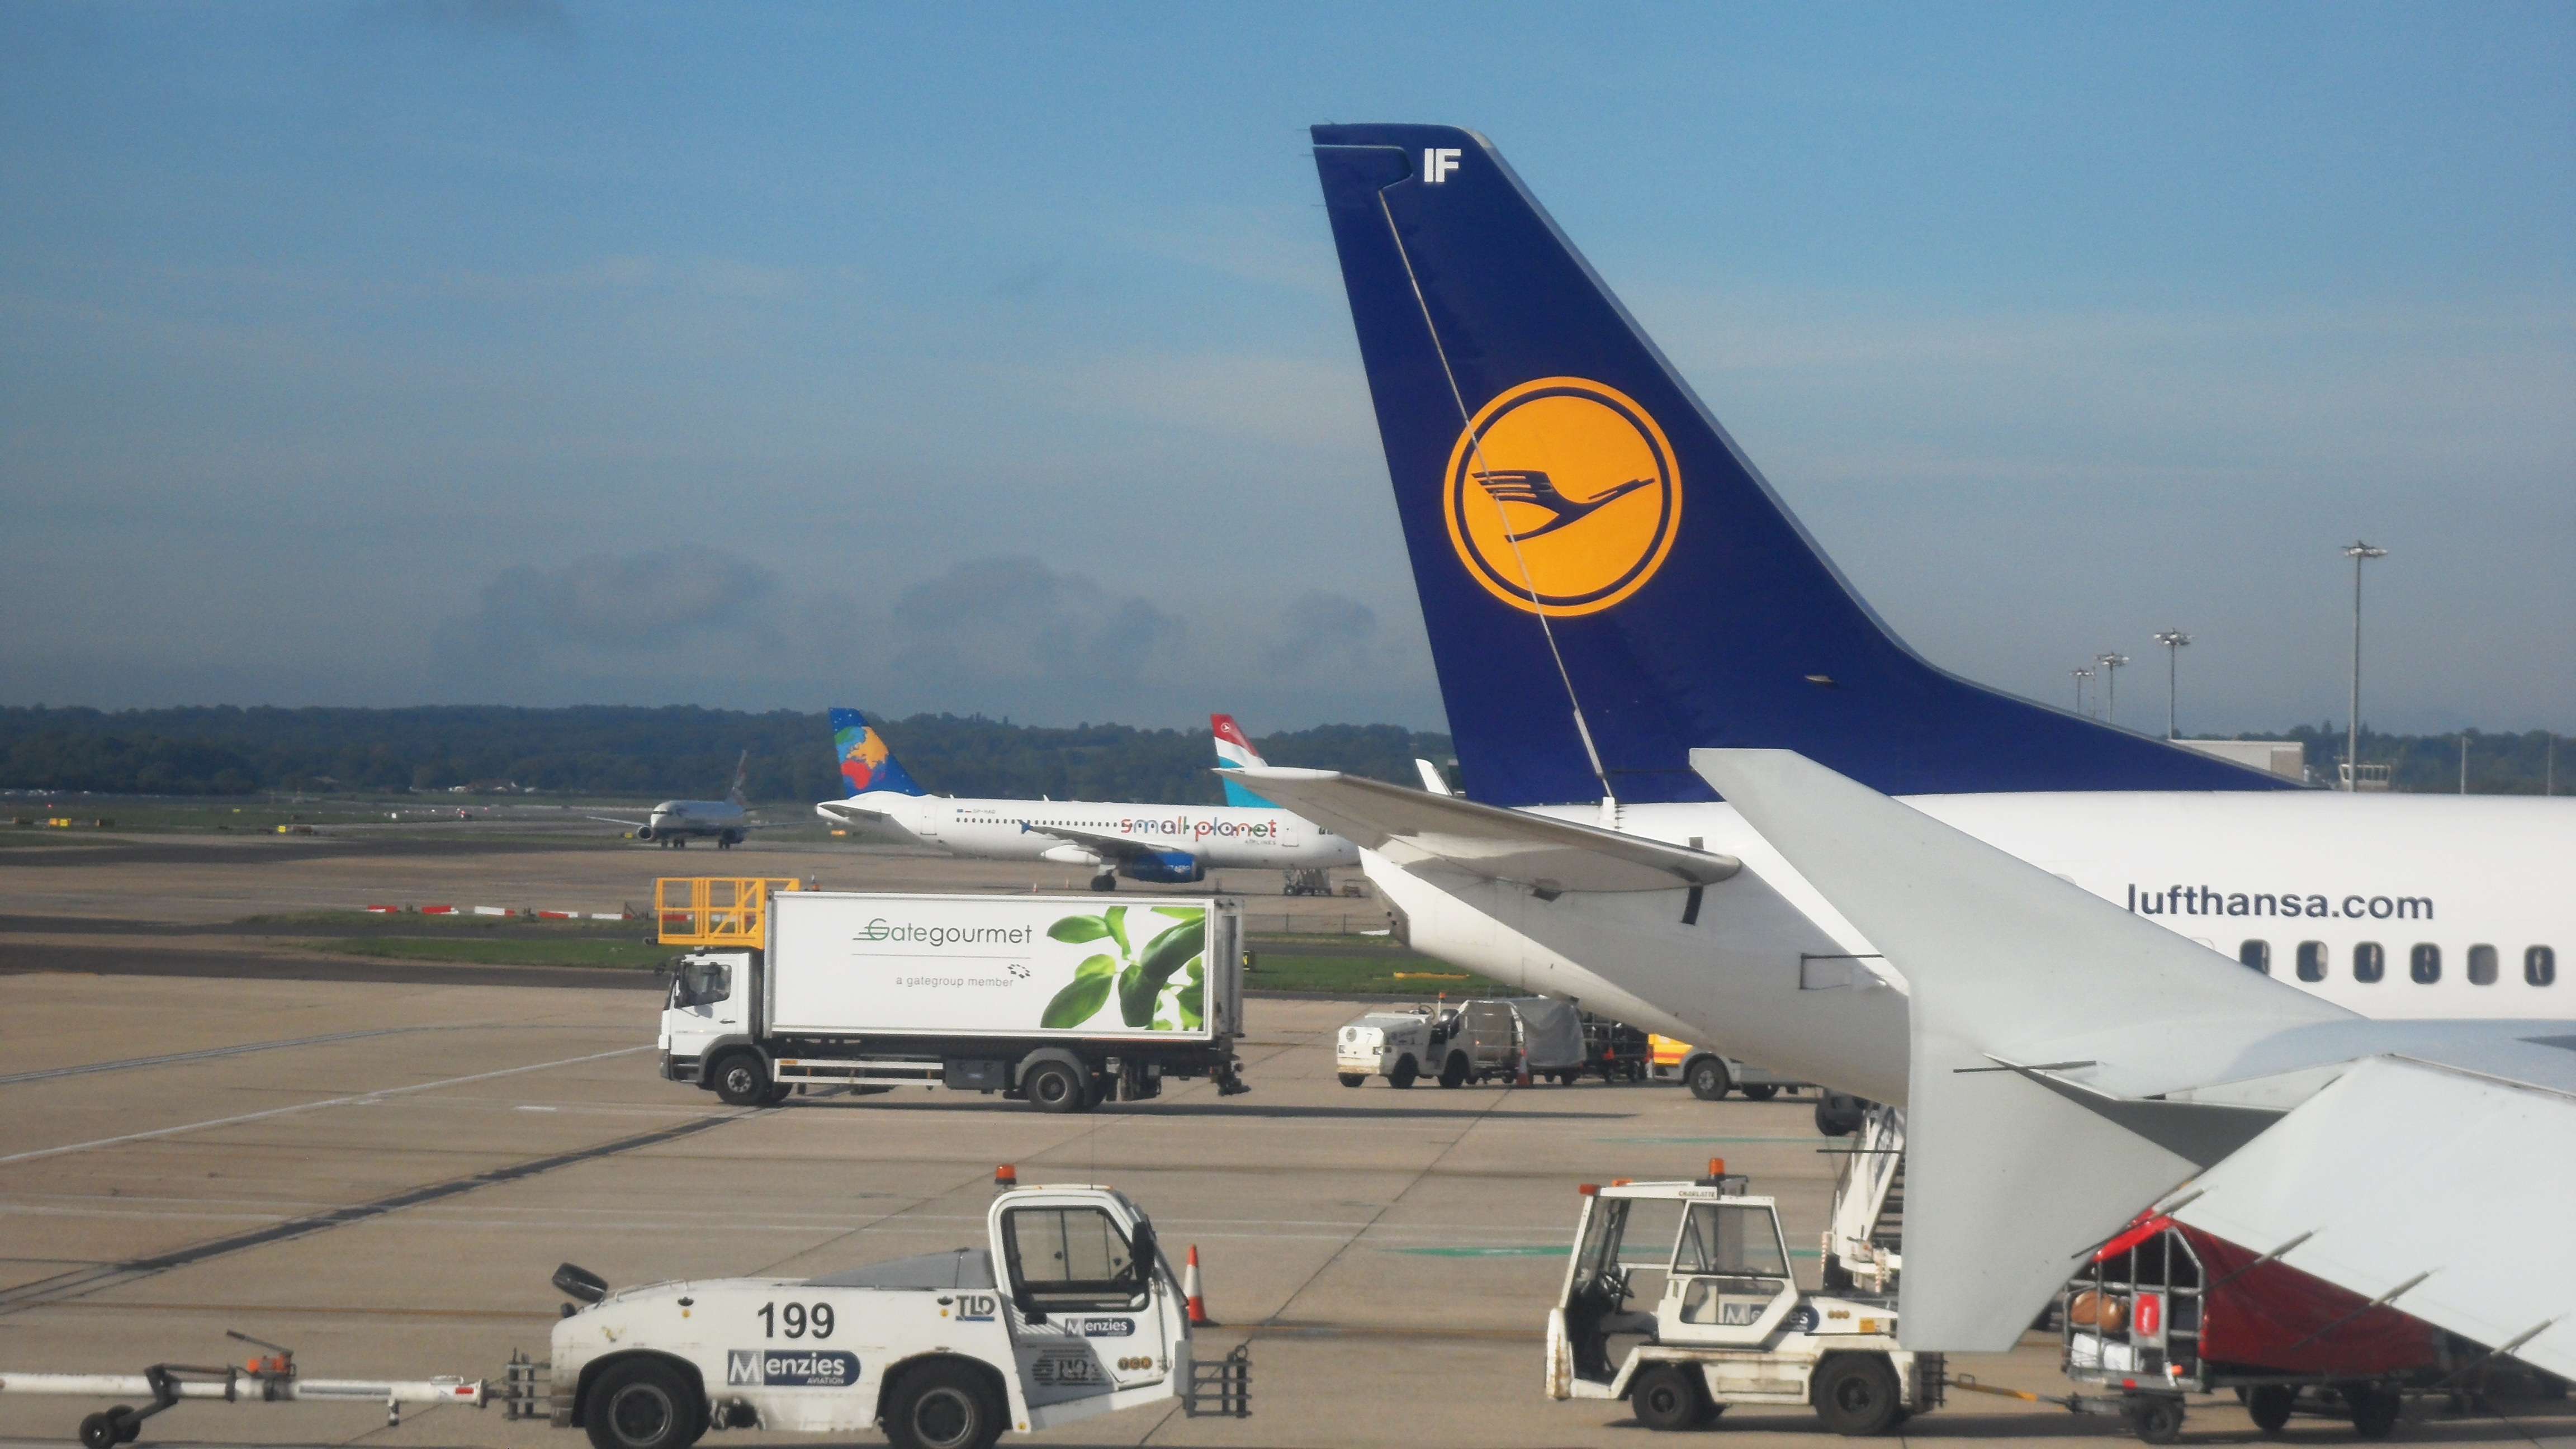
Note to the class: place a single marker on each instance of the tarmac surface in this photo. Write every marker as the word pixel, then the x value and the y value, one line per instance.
pixel 384 1173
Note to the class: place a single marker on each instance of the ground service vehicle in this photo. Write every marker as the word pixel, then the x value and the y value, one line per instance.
pixel 1069 1312
pixel 1721 1320
pixel 1472 1041
pixel 1711 1076
pixel 2165 1310
pixel 1048 999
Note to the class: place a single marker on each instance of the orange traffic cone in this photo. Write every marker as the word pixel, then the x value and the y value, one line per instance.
pixel 1522 1077
pixel 1190 1291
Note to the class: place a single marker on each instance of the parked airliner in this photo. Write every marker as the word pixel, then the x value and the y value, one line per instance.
pixel 1584 653
pixel 1630 627
pixel 1161 844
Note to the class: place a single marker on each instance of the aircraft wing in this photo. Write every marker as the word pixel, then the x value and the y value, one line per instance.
pixel 1409 826
pixel 2413 1182
pixel 613 820
pixel 1110 847
pixel 2073 1064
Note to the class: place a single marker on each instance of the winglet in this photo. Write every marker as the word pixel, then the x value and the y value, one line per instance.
pixel 2009 1177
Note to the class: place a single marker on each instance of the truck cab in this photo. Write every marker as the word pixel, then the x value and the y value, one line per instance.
pixel 708 1003
pixel 1069 1310
pixel 1680 1299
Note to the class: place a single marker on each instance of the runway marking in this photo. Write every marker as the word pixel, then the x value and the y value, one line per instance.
pixel 361 1097
pixel 230 1051
pixel 102 1276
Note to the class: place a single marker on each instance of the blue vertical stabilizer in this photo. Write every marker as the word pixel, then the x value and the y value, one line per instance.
pixel 1583 533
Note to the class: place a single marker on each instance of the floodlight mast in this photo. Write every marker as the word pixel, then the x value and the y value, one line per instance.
pixel 2359 552
pixel 2081 675
pixel 2111 684
pixel 2173 640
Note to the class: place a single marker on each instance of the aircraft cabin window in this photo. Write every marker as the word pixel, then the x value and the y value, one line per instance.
pixel 2539 966
pixel 2369 963
pixel 2256 955
pixel 2424 963
pixel 2312 960
pixel 2482 965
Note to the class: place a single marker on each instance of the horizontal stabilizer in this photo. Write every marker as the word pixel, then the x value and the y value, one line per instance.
pixel 2405 1172
pixel 1548 855
pixel 2038 1010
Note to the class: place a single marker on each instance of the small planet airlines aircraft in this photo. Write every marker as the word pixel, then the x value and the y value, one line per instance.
pixel 674 823
pixel 1162 844
pixel 1592 634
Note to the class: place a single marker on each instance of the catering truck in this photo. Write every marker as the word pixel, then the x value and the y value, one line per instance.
pixel 1052 1000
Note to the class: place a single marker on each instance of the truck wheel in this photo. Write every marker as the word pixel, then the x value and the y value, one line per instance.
pixel 776 1092
pixel 1708 1079
pixel 1666 1397
pixel 642 1404
pixel 1855 1393
pixel 2374 1411
pixel 2157 1418
pixel 1054 1087
pixel 1406 1071
pixel 942 1406
pixel 1453 1072
pixel 2269 1407
pixel 1761 1093
pixel 1351 1079
pixel 740 1080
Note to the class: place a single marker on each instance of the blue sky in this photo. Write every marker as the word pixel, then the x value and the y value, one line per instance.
pixel 995 358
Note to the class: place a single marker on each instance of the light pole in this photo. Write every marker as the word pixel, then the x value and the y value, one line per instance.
pixel 2111 684
pixel 2173 640
pixel 2360 553
pixel 2081 675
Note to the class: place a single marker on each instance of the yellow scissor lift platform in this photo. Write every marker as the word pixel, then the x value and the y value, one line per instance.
pixel 716 910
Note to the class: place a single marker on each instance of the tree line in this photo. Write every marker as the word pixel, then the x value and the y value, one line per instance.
pixel 683 750
pixel 610 750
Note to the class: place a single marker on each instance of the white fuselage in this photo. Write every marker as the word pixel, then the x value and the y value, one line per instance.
pixel 1219 836
pixel 2335 873
pixel 679 819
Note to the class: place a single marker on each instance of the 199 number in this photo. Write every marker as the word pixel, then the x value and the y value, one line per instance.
pixel 796 1318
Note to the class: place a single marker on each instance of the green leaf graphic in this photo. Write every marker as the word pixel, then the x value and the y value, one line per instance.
pixel 1192 998
pixel 1115 918
pixel 1082 1000
pixel 1135 999
pixel 1182 913
pixel 1080 928
pixel 1161 960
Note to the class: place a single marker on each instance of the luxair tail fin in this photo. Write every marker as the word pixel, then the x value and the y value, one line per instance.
pixel 1234 751
pixel 1606 579
pixel 741 769
pixel 867 765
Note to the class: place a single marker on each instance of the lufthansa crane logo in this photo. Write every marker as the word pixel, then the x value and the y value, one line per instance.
pixel 1562 496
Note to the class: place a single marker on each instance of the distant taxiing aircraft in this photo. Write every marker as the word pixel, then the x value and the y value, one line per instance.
pixel 1162 844
pixel 674 823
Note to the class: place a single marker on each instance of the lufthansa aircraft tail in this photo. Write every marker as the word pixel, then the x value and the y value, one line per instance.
pixel 1234 752
pixel 867 765
pixel 1607 580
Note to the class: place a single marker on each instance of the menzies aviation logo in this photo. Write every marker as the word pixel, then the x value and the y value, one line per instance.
pixel 1562 496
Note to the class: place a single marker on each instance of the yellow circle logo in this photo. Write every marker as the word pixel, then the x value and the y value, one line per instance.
pixel 1562 496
